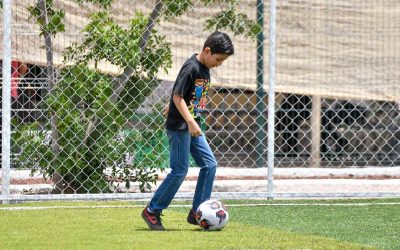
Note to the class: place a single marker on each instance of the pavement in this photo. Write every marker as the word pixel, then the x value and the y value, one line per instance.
pixel 286 180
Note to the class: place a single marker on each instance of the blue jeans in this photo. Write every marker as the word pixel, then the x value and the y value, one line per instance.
pixel 181 144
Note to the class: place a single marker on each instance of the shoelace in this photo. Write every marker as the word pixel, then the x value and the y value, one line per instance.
pixel 158 217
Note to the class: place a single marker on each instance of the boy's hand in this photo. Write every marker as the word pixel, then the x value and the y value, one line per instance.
pixel 166 111
pixel 194 129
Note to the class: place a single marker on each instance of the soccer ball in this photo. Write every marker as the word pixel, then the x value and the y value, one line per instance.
pixel 212 215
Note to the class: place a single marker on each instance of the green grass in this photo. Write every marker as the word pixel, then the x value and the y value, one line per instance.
pixel 263 227
pixel 374 225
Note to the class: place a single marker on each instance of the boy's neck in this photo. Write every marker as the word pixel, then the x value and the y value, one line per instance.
pixel 200 58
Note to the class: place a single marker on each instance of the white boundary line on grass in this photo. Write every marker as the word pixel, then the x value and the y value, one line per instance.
pixel 189 196
pixel 230 205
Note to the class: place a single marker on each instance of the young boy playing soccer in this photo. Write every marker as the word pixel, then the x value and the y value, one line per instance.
pixel 188 101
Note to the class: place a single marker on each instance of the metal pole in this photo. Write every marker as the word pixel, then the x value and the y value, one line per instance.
pixel 6 104
pixel 316 132
pixel 260 148
pixel 271 96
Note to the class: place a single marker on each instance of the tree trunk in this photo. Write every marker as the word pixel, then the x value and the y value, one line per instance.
pixel 52 82
pixel 120 81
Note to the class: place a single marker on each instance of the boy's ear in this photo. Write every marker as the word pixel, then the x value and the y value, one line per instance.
pixel 207 50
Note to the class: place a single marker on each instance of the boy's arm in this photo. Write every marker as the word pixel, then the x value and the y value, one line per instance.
pixel 180 104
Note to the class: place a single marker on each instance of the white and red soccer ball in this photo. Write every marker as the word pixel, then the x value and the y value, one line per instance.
pixel 212 215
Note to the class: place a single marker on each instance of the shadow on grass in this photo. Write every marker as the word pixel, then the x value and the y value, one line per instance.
pixel 144 229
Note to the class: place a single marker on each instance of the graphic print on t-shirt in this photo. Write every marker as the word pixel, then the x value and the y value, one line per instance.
pixel 199 100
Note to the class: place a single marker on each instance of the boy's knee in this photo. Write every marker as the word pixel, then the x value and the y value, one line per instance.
pixel 180 174
pixel 214 162
pixel 212 165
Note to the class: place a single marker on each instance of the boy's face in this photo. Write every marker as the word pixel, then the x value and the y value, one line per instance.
pixel 213 60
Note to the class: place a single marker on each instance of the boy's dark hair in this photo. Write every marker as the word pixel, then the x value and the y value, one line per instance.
pixel 219 43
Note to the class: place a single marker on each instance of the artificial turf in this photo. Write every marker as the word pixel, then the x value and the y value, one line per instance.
pixel 279 226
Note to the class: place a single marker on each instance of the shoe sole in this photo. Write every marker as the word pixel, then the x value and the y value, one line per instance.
pixel 193 223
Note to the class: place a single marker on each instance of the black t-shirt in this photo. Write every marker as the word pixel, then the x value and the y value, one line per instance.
pixel 192 83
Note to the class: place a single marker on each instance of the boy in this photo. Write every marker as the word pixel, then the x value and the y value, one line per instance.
pixel 188 101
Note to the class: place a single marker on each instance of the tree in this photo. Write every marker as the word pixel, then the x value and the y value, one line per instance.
pixel 93 108
pixel 50 22
pixel 230 19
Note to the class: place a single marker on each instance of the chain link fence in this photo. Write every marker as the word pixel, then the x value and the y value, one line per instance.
pixel 90 80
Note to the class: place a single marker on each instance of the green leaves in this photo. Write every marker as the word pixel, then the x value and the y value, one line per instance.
pixel 103 3
pixel 230 19
pixel 208 2
pixel 234 21
pixel 135 158
pixel 175 8
pixel 84 94
pixel 101 160
pixel 105 40
pixel 55 18
pixel 132 155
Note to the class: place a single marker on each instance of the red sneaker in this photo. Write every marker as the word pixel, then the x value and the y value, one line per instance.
pixel 153 220
pixel 191 218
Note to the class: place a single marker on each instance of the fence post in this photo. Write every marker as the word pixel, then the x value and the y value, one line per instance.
pixel 6 103
pixel 316 131
pixel 260 87
pixel 271 97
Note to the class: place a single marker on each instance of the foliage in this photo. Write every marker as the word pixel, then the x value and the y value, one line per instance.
pixel 232 20
pixel 55 18
pixel 208 2
pixel 81 94
pixel 103 3
pixel 84 93
pixel 110 154
pixel 105 40
pixel 147 158
pixel 228 18
pixel 175 8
